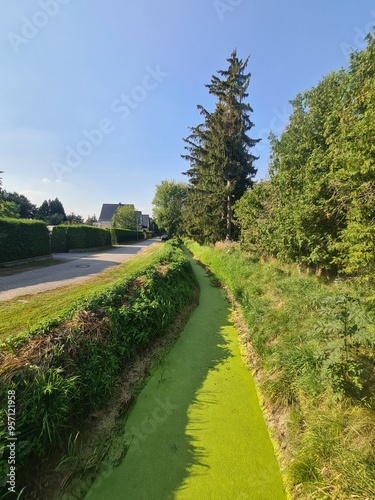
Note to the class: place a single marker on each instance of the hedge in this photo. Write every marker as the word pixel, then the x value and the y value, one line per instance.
pixel 76 237
pixel 119 236
pixel 65 371
pixel 23 239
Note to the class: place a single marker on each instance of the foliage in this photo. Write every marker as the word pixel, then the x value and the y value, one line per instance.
pixel 26 209
pixel 91 220
pixel 168 203
pixel 349 340
pixel 125 217
pixel 9 209
pixel 68 368
pixel 221 165
pixel 52 212
pixel 73 218
pixel 23 239
pixel 120 236
pixel 317 208
pixel 59 240
pixel 74 237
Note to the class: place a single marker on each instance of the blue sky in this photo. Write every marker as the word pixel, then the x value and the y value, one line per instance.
pixel 96 96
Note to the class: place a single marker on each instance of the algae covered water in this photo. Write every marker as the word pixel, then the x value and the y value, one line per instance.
pixel 196 430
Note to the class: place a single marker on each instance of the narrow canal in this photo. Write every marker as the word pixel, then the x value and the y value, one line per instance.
pixel 196 430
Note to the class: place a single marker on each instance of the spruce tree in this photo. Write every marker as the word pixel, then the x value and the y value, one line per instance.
pixel 221 164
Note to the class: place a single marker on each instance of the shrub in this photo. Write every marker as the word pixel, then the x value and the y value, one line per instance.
pixel 59 239
pixel 23 239
pixel 65 238
pixel 119 236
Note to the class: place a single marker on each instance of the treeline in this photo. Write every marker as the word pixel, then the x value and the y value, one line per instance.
pixel 318 207
pixel 18 206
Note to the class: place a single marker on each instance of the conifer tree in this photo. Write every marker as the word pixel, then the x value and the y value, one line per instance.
pixel 221 164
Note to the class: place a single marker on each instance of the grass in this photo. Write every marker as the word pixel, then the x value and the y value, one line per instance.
pixel 23 313
pixel 314 355
pixel 63 371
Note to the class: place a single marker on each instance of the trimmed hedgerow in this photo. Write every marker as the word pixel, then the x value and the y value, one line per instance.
pixel 59 239
pixel 23 239
pixel 76 237
pixel 119 236
pixel 63 371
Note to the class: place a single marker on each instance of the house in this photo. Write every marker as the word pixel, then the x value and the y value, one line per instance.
pixel 145 222
pixel 109 210
pixel 106 214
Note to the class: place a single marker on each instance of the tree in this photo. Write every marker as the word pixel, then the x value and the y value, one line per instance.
pixel 91 219
pixel 27 210
pixel 9 209
pixel 73 218
pixel 318 207
pixel 52 212
pixel 125 217
pixel 15 205
pixel 168 204
pixel 221 165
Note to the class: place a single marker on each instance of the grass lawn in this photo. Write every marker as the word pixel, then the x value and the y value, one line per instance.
pixel 22 313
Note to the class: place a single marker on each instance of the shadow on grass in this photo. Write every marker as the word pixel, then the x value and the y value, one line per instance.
pixel 161 452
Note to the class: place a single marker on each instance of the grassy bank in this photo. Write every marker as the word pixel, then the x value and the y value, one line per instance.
pixel 312 349
pixel 69 366
pixel 22 314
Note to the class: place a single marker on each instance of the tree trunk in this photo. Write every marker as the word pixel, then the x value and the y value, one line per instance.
pixel 229 213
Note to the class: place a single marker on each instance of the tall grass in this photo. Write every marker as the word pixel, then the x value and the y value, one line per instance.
pixel 67 367
pixel 314 344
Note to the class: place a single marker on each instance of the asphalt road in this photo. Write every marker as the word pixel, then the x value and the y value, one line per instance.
pixel 77 267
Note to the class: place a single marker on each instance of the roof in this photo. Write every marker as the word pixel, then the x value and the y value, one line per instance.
pixel 109 210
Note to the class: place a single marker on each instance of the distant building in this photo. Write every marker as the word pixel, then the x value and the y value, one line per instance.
pixel 145 222
pixel 109 210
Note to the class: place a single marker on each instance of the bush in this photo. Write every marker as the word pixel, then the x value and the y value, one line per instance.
pixel 65 238
pixel 64 371
pixel 59 239
pixel 119 236
pixel 23 239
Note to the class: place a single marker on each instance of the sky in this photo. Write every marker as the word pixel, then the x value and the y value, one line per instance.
pixel 96 96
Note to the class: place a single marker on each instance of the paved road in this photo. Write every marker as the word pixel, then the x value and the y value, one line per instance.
pixel 78 267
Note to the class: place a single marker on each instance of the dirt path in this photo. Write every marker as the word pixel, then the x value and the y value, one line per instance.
pixel 196 430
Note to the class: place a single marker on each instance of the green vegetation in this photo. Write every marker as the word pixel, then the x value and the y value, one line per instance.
pixel 23 314
pixel 126 217
pixel 73 237
pixel 68 367
pixel 314 345
pixel 218 150
pixel 119 236
pixel 317 209
pixel 168 204
pixel 196 427
pixel 23 239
